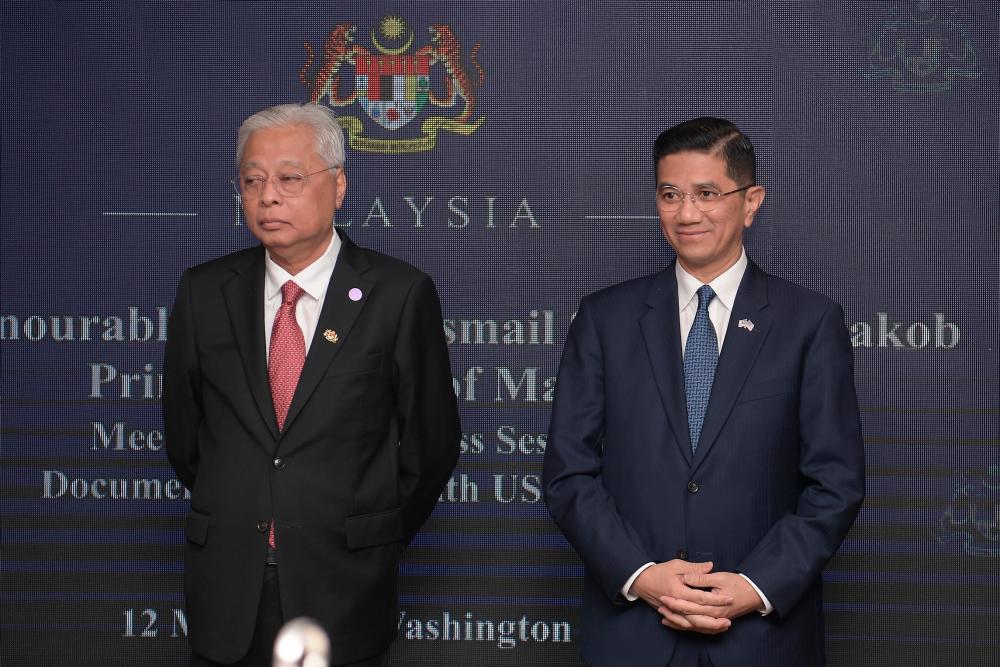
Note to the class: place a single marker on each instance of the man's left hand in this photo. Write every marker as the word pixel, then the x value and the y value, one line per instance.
pixel 745 598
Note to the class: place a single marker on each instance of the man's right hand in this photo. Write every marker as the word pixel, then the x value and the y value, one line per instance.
pixel 667 579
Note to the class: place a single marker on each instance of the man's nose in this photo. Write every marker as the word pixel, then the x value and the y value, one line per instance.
pixel 269 192
pixel 688 211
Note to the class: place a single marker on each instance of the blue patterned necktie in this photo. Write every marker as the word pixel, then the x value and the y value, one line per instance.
pixel 701 353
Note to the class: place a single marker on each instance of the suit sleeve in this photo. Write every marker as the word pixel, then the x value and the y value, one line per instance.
pixel 574 492
pixel 182 407
pixel 792 555
pixel 427 412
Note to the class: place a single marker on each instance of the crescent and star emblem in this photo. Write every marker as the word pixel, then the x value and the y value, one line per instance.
pixel 392 27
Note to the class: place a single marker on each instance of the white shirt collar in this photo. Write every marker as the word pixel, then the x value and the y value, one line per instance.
pixel 725 285
pixel 314 279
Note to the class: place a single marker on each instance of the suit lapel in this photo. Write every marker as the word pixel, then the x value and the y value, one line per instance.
pixel 244 296
pixel 661 333
pixel 739 353
pixel 337 317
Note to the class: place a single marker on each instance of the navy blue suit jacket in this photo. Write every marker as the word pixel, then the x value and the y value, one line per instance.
pixel 771 492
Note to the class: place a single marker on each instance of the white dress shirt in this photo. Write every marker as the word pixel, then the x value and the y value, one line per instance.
pixel 720 309
pixel 314 280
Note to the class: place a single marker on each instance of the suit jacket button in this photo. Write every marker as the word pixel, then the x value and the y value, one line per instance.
pixel 263 526
pixel 279 464
pixel 682 554
pixel 692 487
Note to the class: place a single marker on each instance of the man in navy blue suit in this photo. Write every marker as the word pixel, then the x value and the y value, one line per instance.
pixel 705 455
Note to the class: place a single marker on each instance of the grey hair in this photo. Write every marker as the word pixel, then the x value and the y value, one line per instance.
pixel 323 121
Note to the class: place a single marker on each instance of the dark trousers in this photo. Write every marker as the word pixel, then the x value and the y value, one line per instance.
pixel 269 622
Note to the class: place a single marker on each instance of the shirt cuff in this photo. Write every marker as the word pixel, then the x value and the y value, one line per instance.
pixel 767 603
pixel 631 580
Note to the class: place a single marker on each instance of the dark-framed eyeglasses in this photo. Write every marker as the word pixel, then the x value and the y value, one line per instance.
pixel 670 198
pixel 290 184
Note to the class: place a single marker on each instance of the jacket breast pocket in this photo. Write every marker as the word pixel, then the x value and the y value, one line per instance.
pixel 350 366
pixel 767 389
pixel 353 386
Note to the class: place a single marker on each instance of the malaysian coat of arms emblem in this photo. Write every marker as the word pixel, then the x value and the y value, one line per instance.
pixel 393 86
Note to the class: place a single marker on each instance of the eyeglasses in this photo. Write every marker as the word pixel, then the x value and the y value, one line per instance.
pixel 705 199
pixel 288 184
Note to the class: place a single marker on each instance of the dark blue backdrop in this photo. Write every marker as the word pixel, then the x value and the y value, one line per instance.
pixel 876 125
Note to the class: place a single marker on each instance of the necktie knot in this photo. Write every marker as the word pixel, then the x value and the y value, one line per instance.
pixel 290 293
pixel 705 296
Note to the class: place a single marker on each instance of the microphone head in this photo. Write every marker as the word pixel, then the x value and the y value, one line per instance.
pixel 302 642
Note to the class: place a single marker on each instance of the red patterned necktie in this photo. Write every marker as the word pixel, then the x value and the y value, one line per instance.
pixel 285 360
pixel 288 352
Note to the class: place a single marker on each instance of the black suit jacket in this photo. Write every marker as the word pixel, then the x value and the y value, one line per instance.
pixel 371 437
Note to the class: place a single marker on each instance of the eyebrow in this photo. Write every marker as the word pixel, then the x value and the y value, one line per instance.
pixel 253 164
pixel 710 184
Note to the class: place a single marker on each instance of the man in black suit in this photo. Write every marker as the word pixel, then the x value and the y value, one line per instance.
pixel 309 408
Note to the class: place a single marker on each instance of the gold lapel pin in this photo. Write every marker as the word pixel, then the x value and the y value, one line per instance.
pixel 331 335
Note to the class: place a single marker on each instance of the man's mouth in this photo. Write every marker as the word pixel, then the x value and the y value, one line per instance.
pixel 271 223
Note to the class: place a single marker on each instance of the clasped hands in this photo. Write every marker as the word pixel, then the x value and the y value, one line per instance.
pixel 690 597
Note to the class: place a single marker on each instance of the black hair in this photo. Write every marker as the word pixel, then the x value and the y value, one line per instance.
pixel 711 135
